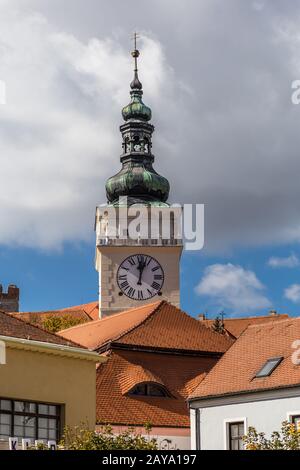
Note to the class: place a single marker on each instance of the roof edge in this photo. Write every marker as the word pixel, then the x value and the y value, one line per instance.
pixel 52 348
pixel 241 392
pixel 112 345
pixel 37 327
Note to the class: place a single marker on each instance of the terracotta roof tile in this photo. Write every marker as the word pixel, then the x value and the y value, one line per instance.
pixel 175 372
pixel 159 325
pixel 84 312
pixel 236 326
pixel 99 332
pixel 17 328
pixel 235 372
pixel 91 309
pixel 134 374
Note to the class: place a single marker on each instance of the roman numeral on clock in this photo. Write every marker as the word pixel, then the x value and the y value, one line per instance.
pixel 131 292
pixel 140 295
pixel 155 286
pixel 124 285
pixel 156 268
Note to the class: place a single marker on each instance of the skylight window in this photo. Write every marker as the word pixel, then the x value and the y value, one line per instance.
pixel 269 367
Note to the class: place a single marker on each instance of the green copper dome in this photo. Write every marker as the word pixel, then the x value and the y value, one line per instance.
pixel 136 109
pixel 139 183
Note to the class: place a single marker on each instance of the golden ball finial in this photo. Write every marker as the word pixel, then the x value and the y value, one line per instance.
pixel 135 54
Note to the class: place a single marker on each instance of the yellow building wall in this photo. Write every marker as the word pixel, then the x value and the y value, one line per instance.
pixel 43 377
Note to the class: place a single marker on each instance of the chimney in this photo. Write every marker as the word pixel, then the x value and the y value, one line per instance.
pixel 273 313
pixel 201 316
pixel 9 301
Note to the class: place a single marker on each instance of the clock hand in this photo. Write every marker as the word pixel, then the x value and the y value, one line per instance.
pixel 141 268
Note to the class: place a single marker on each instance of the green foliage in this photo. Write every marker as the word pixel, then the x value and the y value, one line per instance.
pixel 218 325
pixel 81 438
pixel 53 323
pixel 287 439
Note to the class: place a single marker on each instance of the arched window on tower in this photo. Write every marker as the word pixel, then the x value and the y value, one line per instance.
pixel 136 144
pixel 172 225
pixel 126 145
pixel 146 145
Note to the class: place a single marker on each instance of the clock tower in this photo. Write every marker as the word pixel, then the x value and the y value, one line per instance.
pixel 138 234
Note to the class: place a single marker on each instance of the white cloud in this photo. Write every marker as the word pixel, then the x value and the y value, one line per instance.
pixel 292 293
pixel 59 138
pixel 234 288
pixel 291 261
pixel 227 134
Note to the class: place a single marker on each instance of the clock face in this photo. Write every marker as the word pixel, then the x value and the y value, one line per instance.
pixel 140 277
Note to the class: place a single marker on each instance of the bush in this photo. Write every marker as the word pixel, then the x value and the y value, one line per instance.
pixel 81 438
pixel 287 439
pixel 53 323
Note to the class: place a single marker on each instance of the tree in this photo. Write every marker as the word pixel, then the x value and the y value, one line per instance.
pixel 218 325
pixel 81 438
pixel 53 323
pixel 288 438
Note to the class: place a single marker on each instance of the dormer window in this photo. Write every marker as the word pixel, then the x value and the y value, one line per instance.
pixel 269 367
pixel 149 390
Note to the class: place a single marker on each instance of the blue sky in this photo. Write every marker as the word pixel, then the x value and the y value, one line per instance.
pixel 59 279
pixel 218 77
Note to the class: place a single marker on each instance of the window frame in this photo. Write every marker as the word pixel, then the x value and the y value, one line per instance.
pixel 227 430
pixel 279 359
pixel 36 415
pixel 147 386
pixel 292 416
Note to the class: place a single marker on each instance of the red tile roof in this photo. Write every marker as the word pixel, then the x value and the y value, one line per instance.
pixel 235 372
pixel 156 326
pixel 17 328
pixel 84 312
pixel 91 309
pixel 236 326
pixel 124 369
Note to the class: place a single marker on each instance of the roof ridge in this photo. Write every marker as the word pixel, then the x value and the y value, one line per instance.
pixel 41 329
pixel 277 322
pixel 109 317
pixel 251 318
pixel 182 313
pixel 156 306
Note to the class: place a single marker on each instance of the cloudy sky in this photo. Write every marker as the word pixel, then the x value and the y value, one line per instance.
pixel 218 76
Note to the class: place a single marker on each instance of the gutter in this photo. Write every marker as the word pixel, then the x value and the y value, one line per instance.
pixel 244 396
pixel 182 352
pixel 52 348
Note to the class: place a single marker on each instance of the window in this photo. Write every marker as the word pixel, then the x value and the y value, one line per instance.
pixel 30 420
pixel 269 367
pixel 236 433
pixel 149 390
pixel 296 421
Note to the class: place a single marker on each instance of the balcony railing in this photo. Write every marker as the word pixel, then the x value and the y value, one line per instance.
pixel 105 241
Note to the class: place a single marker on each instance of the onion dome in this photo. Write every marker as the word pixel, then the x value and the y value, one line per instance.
pixel 136 109
pixel 139 184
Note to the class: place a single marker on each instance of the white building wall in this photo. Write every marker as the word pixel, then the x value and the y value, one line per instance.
pixel 193 429
pixel 266 416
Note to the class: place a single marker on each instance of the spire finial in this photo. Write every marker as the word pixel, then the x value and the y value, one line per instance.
pixel 135 53
pixel 135 84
